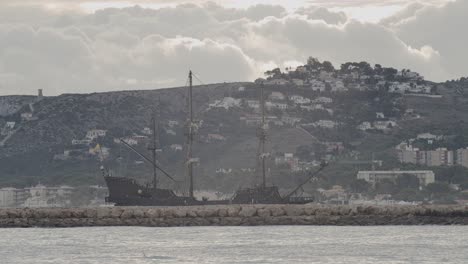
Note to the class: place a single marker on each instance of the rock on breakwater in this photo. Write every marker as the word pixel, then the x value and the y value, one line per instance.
pixel 234 215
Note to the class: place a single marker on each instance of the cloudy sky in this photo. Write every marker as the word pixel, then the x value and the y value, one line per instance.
pixel 76 46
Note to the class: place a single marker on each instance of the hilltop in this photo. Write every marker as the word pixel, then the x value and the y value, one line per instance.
pixel 351 117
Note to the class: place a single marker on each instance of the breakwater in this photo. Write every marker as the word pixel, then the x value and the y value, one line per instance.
pixel 234 215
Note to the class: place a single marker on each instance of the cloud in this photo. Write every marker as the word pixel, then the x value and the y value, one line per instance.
pixel 140 48
pixel 321 13
pixel 440 28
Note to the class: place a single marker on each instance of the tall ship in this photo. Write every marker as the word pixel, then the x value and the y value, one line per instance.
pixel 262 193
pixel 126 191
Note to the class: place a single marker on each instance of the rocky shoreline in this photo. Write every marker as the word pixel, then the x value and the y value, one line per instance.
pixel 234 215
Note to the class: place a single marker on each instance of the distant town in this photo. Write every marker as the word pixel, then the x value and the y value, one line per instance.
pixel 330 112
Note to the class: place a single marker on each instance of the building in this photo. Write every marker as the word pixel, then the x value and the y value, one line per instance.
pixel 12 197
pixel 176 147
pixel 317 86
pixel 323 100
pixel 277 96
pixel 290 120
pixel 226 103
pixel 365 126
pixel 95 133
pixel 325 75
pixel 325 124
pixel 43 196
pixel 288 159
pixel 147 131
pixel 10 125
pixel 173 123
pixel 462 157
pixel 373 177
pixel 334 147
pixel 428 136
pixel 397 87
pixel 129 140
pixel 297 99
pixel 216 137
pixel 255 104
pixel 439 157
pixel 28 116
pixel 384 125
pixel 274 105
pixel 81 141
pixel 379 115
pixel 298 82
pixel 338 86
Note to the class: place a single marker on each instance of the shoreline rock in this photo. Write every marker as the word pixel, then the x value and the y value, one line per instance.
pixel 234 215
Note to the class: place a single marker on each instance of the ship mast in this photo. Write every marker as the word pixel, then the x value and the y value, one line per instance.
pixel 262 137
pixel 190 136
pixel 153 149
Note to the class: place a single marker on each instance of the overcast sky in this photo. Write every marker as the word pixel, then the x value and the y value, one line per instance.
pixel 73 46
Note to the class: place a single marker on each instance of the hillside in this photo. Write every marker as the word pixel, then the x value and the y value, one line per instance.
pixel 314 114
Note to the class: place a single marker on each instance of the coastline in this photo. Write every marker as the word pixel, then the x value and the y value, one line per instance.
pixel 234 215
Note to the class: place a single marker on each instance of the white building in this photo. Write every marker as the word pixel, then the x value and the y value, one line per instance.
pixel 373 177
pixel 317 86
pixel 462 157
pixel 129 140
pixel 313 107
pixel 323 100
pixel 379 115
pixel 95 133
pixel 298 82
pixel 365 126
pixel 81 141
pixel 301 69
pixel 384 125
pixel 338 86
pixel 255 104
pixel 277 96
pixel 28 116
pixel 147 131
pixel 297 99
pixel 325 124
pixel 324 75
pixel 275 105
pixel 226 103
pixel 42 196
pixel 428 136
pixel 290 120
pixel 12 197
pixel 173 123
pixel 176 147
pixel 10 125
pixel 397 87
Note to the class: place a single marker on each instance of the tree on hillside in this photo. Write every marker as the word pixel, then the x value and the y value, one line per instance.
pixel 273 73
pixel 378 69
pixel 389 73
pixel 360 186
pixel 313 63
pixel 386 187
pixel 438 188
pixel 365 68
pixel 407 181
pixel 328 66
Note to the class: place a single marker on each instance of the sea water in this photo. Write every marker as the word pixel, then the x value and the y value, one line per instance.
pixel 266 244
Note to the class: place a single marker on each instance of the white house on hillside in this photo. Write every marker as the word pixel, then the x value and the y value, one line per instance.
pixel 95 133
pixel 277 96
